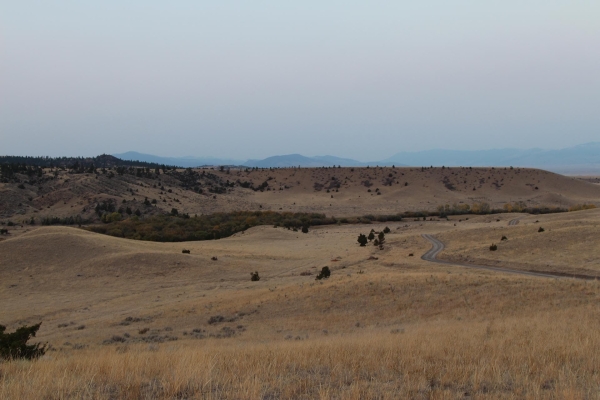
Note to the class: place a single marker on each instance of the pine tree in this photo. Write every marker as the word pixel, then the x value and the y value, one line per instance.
pixel 362 239
pixel 14 345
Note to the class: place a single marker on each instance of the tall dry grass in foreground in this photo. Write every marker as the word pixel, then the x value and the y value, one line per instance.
pixel 547 356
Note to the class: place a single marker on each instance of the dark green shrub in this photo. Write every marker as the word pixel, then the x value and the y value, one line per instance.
pixel 325 273
pixel 305 229
pixel 184 251
pixel 541 229
pixel 386 230
pixel 371 235
pixel 362 239
pixel 254 276
pixel 14 345
pixel 493 247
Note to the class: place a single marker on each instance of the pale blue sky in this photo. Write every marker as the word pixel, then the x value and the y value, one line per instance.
pixel 256 78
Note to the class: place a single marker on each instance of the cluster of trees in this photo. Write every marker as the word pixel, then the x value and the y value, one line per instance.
pixel 9 170
pixel 484 208
pixel 378 238
pixel 181 227
pixel 102 161
pixel 76 220
pixel 105 164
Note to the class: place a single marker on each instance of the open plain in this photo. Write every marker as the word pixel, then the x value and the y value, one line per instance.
pixel 132 319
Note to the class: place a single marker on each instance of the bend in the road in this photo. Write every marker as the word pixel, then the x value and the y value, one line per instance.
pixel 438 247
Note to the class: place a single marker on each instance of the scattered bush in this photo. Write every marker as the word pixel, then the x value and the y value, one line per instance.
pixel 504 238
pixel 493 247
pixel 541 229
pixel 305 229
pixel 115 339
pixel 14 345
pixel 254 276
pixel 325 273
pixel 386 230
pixel 215 319
pixel 185 251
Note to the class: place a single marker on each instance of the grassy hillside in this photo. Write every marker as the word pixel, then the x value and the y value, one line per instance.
pixel 131 319
pixel 340 192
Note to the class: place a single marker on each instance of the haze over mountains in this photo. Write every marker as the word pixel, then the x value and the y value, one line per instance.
pixel 584 158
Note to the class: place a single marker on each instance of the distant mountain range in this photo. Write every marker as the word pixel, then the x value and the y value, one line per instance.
pixel 583 158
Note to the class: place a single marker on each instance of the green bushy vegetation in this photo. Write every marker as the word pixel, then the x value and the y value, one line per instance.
pixel 14 345
pixel 178 228
pixel 76 220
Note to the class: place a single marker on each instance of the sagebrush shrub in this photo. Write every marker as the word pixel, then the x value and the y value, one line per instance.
pixel 325 273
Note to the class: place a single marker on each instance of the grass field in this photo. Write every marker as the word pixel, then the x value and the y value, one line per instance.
pixel 131 319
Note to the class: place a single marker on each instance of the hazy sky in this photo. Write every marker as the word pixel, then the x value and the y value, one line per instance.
pixel 250 79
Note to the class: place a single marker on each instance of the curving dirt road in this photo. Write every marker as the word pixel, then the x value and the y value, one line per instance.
pixel 438 246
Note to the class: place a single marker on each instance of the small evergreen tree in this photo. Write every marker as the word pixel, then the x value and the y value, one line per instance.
pixel 371 236
pixel 14 345
pixel 362 239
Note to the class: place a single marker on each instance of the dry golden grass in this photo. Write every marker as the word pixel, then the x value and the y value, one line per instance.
pixel 548 356
pixel 569 244
pixel 391 327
